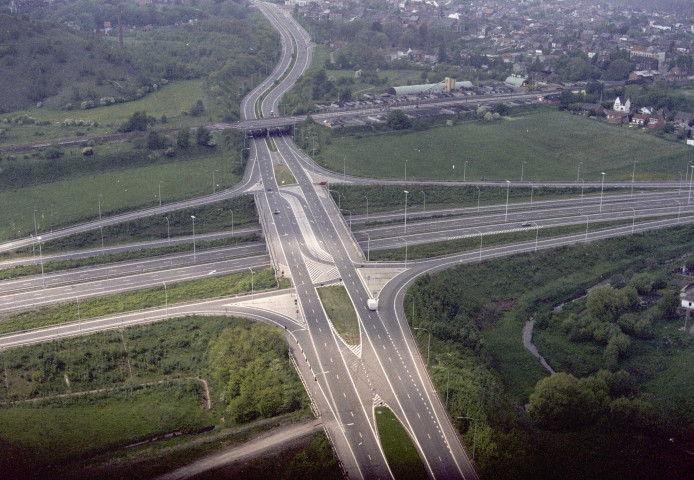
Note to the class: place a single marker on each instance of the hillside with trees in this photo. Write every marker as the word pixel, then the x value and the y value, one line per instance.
pixel 42 62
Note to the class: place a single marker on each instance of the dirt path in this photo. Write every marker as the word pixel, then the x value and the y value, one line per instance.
pixel 274 438
pixel 528 344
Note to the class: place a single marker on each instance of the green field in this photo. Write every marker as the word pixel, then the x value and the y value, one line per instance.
pixel 137 300
pixel 76 198
pixel 170 100
pixel 552 144
pixel 87 425
pixel 340 310
pixel 402 456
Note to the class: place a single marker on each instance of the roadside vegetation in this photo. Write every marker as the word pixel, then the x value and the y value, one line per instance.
pixel 137 300
pixel 472 243
pixel 401 454
pixel 145 384
pixel 392 197
pixel 622 400
pixel 340 310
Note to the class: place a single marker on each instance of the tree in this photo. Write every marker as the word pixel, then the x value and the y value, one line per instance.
pixel 203 136
pixel 183 138
pixel 156 141
pixel 197 109
pixel 137 122
pixel 397 120
pixel 562 401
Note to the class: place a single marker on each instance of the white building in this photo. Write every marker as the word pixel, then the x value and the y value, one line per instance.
pixel 622 107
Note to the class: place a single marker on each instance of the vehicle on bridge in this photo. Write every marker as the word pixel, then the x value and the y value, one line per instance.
pixel 372 303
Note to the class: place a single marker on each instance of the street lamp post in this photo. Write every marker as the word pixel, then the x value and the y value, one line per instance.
pixel 194 258
pixel 586 238
pixel 633 173
pixel 633 220
pixel 214 184
pixel 406 192
pixel 679 208
pixel 474 441
pixel 43 279
pixel 166 300
pixel 578 173
pixel 160 193
pixel 522 167
pixel 602 187
pixel 99 207
pixel 368 246
pixel 465 171
pixel 412 305
pixel 350 218
pixel 168 232
pixel 79 317
pixel 35 231
pixel 405 170
pixel 428 343
pixel 532 190
pixel 537 233
pixel 251 281
pixel 232 223
pixel 367 207
pixel 102 240
pixel 690 186
pixel 479 195
pixel 508 187
pixel 424 205
pixel 480 232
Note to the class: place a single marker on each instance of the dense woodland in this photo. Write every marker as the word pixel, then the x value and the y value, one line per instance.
pixel 224 43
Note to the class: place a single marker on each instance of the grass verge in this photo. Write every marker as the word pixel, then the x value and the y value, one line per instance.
pixel 141 299
pixel 435 249
pixel 283 175
pixel 402 456
pixel 341 312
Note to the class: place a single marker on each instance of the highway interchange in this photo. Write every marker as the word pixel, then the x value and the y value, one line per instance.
pixel 309 241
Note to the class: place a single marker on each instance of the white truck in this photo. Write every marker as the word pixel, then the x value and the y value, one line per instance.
pixel 372 303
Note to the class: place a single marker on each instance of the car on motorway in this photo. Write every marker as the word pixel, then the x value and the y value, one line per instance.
pixel 269 189
pixel 323 183
pixel 527 224
pixel 276 212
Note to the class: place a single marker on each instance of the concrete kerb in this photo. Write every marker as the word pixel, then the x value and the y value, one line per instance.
pixel 345 225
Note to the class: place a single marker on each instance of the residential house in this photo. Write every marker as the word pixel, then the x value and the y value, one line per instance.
pixel 592 109
pixel 687 297
pixel 639 119
pixel 616 118
pixel 657 121
pixel 683 118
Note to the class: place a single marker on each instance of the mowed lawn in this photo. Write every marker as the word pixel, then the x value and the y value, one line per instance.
pixel 552 144
pixel 77 198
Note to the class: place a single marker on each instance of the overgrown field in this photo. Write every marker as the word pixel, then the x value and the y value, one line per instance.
pixel 549 145
pixel 131 405
pixel 631 391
